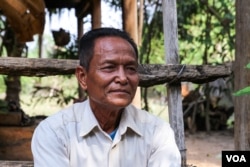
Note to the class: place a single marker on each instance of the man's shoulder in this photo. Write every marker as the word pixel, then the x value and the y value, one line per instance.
pixel 67 115
pixel 144 116
pixel 145 123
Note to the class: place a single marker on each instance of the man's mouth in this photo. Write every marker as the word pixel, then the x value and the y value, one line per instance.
pixel 120 91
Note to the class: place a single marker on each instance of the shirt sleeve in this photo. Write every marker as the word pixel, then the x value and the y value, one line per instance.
pixel 165 152
pixel 47 148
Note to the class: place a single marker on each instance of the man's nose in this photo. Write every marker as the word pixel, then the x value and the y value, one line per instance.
pixel 121 76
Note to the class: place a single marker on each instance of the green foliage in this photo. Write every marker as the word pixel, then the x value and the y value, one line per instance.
pixel 28 83
pixel 248 65
pixel 2 32
pixel 244 91
pixel 114 4
pixel 2 84
pixel 206 31
pixel 152 47
pixel 60 89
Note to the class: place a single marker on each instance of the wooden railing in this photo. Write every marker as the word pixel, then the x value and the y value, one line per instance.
pixel 150 75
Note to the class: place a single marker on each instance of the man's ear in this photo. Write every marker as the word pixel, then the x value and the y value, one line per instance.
pixel 81 75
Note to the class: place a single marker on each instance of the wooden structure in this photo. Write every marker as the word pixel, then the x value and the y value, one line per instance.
pixel 25 17
pixel 149 74
pixel 15 143
pixel 16 163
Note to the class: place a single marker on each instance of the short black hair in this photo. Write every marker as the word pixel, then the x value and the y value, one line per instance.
pixel 87 43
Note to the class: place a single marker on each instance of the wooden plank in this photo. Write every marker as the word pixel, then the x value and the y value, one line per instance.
pixel 16 163
pixel 149 74
pixel 36 67
pixel 173 89
pixel 159 74
pixel 11 118
pixel 15 143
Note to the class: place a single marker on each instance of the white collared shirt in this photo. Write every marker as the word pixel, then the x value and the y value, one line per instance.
pixel 73 138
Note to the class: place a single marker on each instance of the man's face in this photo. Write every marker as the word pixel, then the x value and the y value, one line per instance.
pixel 112 78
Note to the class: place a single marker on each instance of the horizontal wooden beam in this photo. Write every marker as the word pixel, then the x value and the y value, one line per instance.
pixel 171 74
pixel 150 74
pixel 36 67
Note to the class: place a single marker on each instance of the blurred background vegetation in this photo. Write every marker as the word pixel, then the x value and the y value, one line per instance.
pixel 206 31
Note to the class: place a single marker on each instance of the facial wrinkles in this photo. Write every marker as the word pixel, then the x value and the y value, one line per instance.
pixel 119 56
pixel 104 46
pixel 106 56
pixel 115 52
pixel 120 52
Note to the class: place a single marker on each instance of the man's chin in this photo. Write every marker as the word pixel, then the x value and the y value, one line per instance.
pixel 121 103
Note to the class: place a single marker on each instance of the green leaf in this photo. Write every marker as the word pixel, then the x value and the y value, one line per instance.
pixel 243 91
pixel 248 65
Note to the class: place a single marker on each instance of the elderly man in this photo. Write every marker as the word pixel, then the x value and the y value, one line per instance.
pixel 105 130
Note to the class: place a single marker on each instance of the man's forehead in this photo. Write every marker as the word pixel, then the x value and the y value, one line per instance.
pixel 112 57
pixel 103 40
pixel 113 45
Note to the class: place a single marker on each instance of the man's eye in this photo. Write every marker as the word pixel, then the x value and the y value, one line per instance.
pixel 133 69
pixel 108 68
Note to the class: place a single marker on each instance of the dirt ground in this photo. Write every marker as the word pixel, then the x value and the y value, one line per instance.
pixel 204 149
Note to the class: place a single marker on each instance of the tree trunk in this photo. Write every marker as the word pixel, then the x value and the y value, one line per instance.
pixel 242 75
pixel 13 88
pixel 14 48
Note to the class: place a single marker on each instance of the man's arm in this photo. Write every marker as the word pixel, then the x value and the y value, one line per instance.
pixel 165 152
pixel 47 148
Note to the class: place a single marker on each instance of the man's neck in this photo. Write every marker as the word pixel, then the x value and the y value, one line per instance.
pixel 107 119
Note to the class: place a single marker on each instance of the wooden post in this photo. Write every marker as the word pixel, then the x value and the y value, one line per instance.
pixel 174 90
pixel 80 30
pixel 129 17
pixel 96 13
pixel 242 75
pixel 96 23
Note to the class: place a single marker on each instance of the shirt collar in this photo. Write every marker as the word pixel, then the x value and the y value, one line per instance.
pixel 88 121
pixel 128 120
